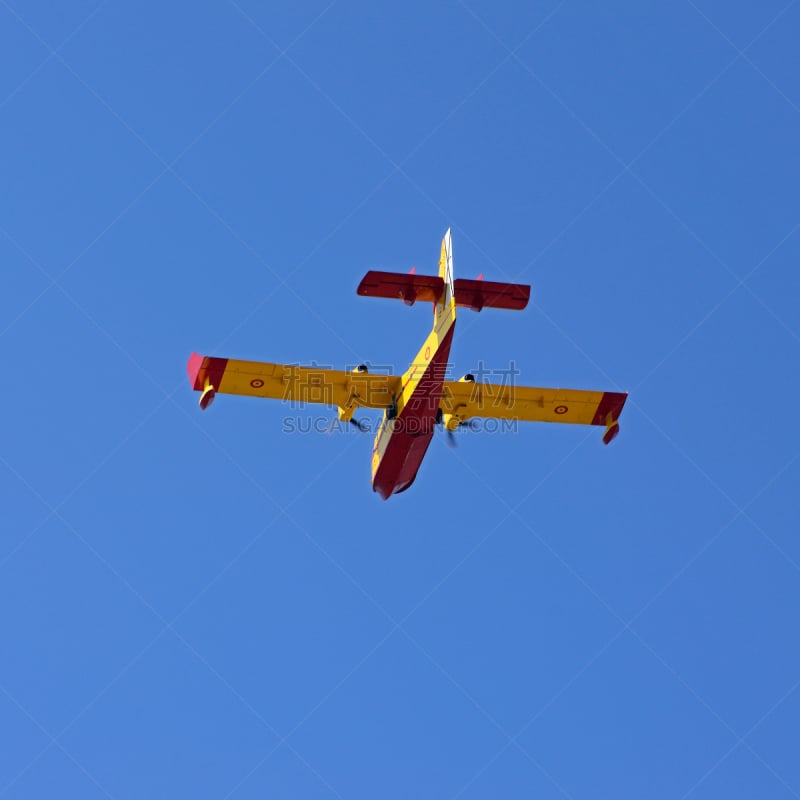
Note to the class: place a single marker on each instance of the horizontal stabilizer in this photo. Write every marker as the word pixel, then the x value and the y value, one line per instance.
pixel 489 294
pixel 401 286
pixel 476 295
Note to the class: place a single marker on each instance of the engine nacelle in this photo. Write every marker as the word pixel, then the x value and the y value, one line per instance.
pixel 451 421
pixel 345 413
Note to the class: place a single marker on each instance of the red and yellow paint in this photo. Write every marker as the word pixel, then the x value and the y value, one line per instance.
pixel 419 398
pixel 402 440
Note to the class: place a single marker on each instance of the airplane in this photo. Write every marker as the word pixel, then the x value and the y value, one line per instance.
pixel 415 402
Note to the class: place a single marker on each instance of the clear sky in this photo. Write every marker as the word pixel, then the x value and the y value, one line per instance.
pixel 205 605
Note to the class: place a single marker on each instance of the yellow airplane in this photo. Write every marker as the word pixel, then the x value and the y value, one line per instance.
pixel 416 401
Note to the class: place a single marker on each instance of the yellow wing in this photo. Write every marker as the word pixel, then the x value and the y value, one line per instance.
pixel 461 400
pixel 348 390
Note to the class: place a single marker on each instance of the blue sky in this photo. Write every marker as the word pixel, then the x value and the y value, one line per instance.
pixel 202 605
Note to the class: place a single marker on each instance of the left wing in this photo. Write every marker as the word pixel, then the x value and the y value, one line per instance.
pixel 461 400
pixel 348 390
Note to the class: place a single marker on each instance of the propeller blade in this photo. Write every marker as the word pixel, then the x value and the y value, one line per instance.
pixel 360 424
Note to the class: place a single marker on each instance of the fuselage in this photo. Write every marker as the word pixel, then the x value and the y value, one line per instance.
pixel 407 428
pixel 409 422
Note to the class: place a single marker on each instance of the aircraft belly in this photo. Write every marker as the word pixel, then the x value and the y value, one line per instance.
pixel 413 428
pixel 400 463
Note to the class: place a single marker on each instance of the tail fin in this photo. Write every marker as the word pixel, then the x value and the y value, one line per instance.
pixel 446 305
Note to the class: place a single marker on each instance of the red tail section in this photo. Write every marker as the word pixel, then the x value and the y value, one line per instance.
pixel 489 294
pixel 407 287
pixel 469 294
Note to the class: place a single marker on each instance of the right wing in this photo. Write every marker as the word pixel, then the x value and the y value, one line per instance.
pixel 348 390
pixel 466 399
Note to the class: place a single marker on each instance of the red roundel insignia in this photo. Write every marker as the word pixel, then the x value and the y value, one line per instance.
pixel 256 383
pixel 561 409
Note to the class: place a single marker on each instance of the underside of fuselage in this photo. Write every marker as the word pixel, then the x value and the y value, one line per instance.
pixel 403 440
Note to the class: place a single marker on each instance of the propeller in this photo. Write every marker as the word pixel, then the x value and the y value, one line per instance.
pixel 450 440
pixel 361 424
pixel 469 424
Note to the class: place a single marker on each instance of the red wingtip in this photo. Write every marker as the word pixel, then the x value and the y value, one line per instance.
pixel 206 374
pixel 193 366
pixel 412 270
pixel 611 403
pixel 480 277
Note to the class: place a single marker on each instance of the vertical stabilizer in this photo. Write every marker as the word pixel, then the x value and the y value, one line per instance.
pixel 446 305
